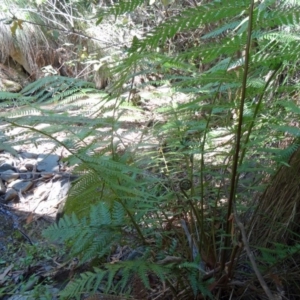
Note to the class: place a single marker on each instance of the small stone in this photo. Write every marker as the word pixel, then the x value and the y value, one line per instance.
pixel 29 155
pixel 22 169
pixel 9 175
pixel 21 186
pixel 48 163
pixel 26 176
pixel 6 167
pixel 2 187
pixel 29 166
pixel 10 86
pixel 11 194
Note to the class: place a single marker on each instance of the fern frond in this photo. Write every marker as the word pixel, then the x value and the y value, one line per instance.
pixel 195 139
pixel 277 253
pixel 290 106
pixel 223 29
pixel 9 96
pixel 292 130
pixel 57 87
pixel 36 85
pixel 121 8
pixel 283 155
pixel 276 17
pixel 68 226
pixel 190 19
pixel 93 236
pixel 88 282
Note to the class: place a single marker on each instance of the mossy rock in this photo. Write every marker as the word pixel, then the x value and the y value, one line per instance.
pixel 9 86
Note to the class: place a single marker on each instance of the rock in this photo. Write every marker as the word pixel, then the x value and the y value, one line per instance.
pixel 9 175
pixel 9 86
pixel 22 169
pixel 25 170
pixel 29 155
pixel 48 163
pixel 11 194
pixel 10 79
pixel 2 187
pixel 29 166
pixel 59 191
pixel 6 166
pixel 21 185
pixel 27 176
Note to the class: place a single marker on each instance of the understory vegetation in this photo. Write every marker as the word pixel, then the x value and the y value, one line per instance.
pixel 197 198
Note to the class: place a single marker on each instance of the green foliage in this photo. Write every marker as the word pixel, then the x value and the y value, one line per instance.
pixel 120 8
pixel 56 88
pixel 95 234
pixel 50 89
pixel 174 203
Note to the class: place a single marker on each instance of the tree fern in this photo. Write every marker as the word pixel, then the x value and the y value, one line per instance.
pixel 213 140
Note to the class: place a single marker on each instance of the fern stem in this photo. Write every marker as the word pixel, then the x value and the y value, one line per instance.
pixel 135 225
pixel 202 164
pixel 234 175
pixel 256 111
pixel 42 133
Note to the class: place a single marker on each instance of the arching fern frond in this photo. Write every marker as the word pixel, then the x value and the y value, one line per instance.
pixel 90 235
pixel 276 17
pixel 222 30
pixel 58 87
pixel 87 282
pixel 120 8
pixel 191 18
pixel 137 196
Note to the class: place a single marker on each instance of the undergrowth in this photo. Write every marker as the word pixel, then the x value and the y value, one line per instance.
pixel 186 205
